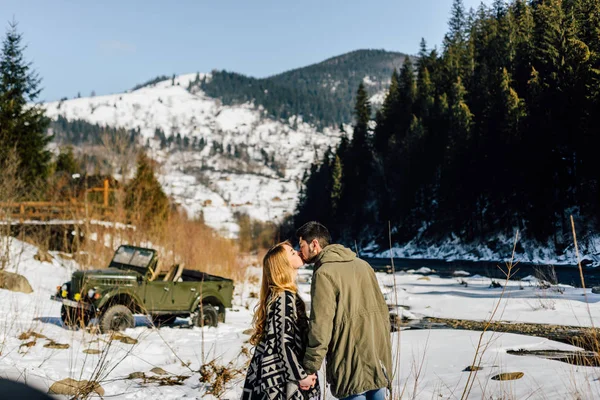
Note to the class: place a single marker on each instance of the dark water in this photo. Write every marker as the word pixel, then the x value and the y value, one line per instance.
pixel 565 274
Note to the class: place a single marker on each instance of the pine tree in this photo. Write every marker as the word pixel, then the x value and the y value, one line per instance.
pixel 512 108
pixel 386 121
pixel 357 163
pixel 22 126
pixel 523 38
pixel 415 170
pixel 66 161
pixel 425 94
pixel 423 60
pixel 461 118
pixel 336 183
pixel 455 43
pixel 406 94
pixel 587 15
pixel 456 25
pixel 315 195
pixel 145 199
pixel 362 113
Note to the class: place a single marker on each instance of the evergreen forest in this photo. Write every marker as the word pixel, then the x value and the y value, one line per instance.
pixel 496 131
pixel 321 94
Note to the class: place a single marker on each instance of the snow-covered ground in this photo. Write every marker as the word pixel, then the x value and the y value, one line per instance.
pixel 474 298
pixel 263 179
pixel 431 362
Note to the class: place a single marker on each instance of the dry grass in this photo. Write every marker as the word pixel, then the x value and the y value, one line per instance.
pixel 416 368
pixel 99 230
pixel 217 377
pixel 178 240
pixel 396 356
pixel 200 247
pixel 481 347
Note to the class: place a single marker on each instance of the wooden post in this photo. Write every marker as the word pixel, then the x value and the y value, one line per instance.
pixel 22 215
pixel 106 193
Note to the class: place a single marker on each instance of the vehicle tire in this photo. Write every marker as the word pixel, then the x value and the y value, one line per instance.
pixel 206 315
pixel 222 314
pixel 116 318
pixel 161 320
pixel 74 317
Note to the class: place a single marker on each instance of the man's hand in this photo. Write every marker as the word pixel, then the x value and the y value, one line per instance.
pixel 308 382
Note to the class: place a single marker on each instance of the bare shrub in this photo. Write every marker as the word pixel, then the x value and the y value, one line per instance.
pixel 546 285
pixel 141 215
pixel 546 275
pixel 255 235
pixel 11 189
pixel 119 150
pixel 199 247
pixel 217 376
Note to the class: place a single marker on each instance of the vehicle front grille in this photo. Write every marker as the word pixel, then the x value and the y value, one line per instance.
pixel 76 284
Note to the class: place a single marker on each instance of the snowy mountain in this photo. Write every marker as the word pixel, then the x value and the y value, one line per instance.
pixel 324 93
pixel 249 162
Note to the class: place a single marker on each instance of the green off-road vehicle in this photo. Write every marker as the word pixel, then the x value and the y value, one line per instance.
pixel 136 283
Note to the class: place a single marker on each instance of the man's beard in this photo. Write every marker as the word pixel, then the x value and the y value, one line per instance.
pixel 311 258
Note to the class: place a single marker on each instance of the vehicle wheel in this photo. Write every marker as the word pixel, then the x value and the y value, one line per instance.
pixel 161 320
pixel 206 315
pixel 221 314
pixel 116 318
pixel 74 317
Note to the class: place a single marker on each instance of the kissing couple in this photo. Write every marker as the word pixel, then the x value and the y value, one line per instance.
pixel 349 326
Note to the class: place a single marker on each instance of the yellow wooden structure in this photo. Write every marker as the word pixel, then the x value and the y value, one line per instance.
pixel 60 210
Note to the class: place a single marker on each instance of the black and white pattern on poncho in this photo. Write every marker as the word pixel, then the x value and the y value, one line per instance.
pixel 276 368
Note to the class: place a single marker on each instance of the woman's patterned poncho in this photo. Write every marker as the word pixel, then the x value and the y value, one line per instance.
pixel 276 368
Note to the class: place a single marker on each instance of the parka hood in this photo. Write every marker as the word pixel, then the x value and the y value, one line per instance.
pixel 334 253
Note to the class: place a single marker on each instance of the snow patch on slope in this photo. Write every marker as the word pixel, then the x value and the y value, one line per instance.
pixel 264 183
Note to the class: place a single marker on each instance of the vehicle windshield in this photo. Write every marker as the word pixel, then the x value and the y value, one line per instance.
pixel 133 256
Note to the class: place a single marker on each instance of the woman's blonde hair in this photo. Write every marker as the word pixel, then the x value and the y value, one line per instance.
pixel 278 276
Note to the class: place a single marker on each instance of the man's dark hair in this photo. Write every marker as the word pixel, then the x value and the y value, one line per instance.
pixel 314 230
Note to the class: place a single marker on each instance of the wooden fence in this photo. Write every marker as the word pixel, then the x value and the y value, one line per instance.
pixel 73 209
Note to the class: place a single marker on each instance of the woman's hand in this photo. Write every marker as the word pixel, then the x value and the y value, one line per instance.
pixel 308 382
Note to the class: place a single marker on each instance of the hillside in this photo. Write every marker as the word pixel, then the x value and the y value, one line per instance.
pixel 214 159
pixel 323 93
pixel 225 142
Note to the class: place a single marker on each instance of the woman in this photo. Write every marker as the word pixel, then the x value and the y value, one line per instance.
pixel 280 332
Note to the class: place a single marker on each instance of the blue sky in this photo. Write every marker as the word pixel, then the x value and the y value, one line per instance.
pixel 109 46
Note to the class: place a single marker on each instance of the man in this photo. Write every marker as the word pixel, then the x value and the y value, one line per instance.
pixel 349 320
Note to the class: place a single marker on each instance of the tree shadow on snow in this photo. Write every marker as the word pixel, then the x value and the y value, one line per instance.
pixel 51 320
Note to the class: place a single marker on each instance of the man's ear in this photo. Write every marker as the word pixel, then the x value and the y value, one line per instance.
pixel 316 244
